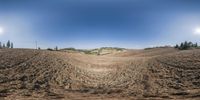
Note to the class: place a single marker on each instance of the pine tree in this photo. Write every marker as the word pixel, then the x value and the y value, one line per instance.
pixel 176 46
pixel 56 48
pixel 185 45
pixel 8 44
pixel 195 45
pixel 190 44
pixel 181 46
pixel 11 45
pixel 0 45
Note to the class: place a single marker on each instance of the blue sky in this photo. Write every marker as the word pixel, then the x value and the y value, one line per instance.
pixel 99 23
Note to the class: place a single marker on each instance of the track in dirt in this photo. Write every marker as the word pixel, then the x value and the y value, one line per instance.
pixel 161 73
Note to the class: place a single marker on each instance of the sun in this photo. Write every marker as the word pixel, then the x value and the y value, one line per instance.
pixel 197 31
pixel 1 30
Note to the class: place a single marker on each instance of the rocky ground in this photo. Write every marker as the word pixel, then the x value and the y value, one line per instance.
pixel 162 73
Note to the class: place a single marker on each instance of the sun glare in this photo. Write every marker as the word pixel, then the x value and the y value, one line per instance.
pixel 197 31
pixel 1 31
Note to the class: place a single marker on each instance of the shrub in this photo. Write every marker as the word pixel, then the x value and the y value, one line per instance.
pixel 49 49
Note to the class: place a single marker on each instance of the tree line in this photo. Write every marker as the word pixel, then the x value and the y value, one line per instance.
pixel 55 49
pixel 186 45
pixel 6 45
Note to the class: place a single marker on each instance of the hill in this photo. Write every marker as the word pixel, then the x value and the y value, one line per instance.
pixel 97 51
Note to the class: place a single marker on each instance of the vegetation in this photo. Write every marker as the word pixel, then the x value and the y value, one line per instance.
pixel 73 49
pixel 157 47
pixel 11 45
pixel 49 49
pixel 96 51
pixel 183 46
pixel 186 45
pixel 4 46
pixel 116 48
pixel 8 44
pixel 56 48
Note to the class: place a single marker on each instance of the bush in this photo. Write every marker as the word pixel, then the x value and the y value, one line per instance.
pixel 72 49
pixel 49 49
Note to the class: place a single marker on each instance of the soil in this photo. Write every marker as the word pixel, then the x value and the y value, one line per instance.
pixel 161 73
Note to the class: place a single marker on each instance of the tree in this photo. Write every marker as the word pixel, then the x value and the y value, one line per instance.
pixel 186 45
pixel 56 48
pixel 181 46
pixel 195 45
pixel 49 49
pixel 0 45
pixel 190 44
pixel 176 46
pixel 11 45
pixel 8 44
pixel 4 45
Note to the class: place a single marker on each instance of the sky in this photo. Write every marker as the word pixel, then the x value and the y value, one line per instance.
pixel 87 24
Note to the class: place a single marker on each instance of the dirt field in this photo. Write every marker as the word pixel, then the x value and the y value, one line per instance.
pixel 162 73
